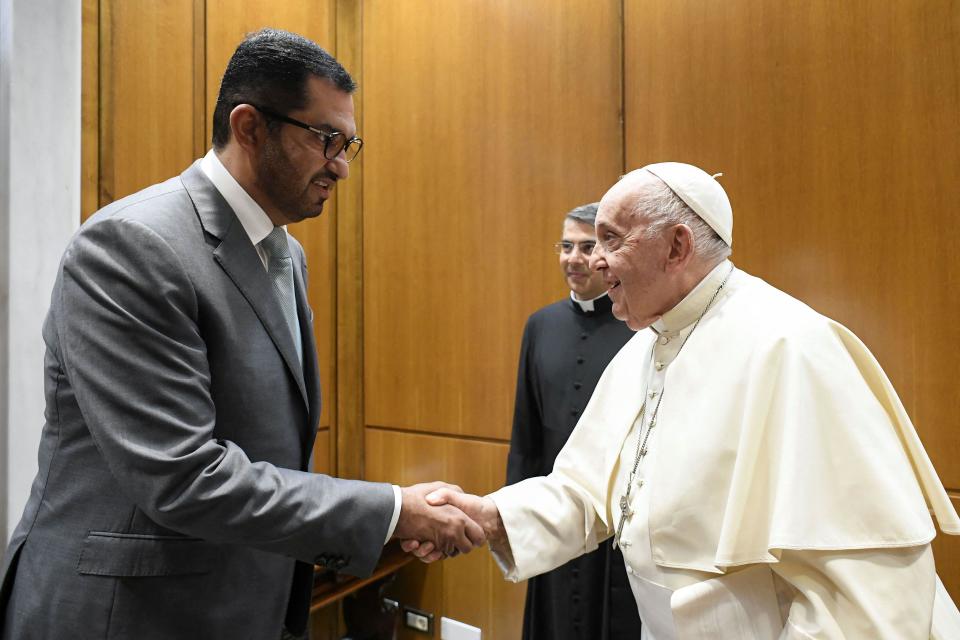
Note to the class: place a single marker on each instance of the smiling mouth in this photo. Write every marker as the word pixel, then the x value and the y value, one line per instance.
pixel 614 285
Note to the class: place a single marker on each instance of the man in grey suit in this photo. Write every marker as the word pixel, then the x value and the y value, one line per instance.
pixel 173 498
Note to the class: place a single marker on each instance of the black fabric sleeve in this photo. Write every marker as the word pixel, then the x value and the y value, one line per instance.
pixel 526 442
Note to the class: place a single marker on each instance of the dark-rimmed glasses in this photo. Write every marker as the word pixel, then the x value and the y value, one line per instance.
pixel 333 141
pixel 566 247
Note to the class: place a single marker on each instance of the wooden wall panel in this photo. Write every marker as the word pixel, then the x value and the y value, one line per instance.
pixel 147 95
pixel 227 22
pixel 484 122
pixel 473 589
pixel 322 456
pixel 349 283
pixel 90 109
pixel 833 124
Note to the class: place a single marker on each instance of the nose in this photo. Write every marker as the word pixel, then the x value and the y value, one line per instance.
pixel 597 261
pixel 576 255
pixel 339 166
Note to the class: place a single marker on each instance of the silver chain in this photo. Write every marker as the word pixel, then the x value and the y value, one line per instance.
pixel 625 511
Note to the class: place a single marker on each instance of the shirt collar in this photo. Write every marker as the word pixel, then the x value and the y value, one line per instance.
pixel 253 218
pixel 689 309
pixel 586 305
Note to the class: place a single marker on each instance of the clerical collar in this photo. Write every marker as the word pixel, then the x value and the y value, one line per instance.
pixel 587 305
pixel 690 308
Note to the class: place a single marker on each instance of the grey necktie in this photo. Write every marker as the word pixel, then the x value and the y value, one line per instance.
pixel 280 272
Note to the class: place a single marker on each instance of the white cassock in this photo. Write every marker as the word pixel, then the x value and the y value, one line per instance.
pixel 785 493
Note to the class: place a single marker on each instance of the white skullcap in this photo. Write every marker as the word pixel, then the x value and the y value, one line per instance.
pixel 701 191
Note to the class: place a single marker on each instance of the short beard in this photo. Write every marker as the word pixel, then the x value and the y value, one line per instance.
pixel 280 181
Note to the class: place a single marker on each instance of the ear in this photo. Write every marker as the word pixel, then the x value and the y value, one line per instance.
pixel 681 246
pixel 248 127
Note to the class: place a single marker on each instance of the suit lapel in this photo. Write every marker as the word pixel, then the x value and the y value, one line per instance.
pixel 238 258
pixel 311 372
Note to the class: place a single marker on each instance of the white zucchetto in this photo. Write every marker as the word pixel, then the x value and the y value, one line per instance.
pixel 701 191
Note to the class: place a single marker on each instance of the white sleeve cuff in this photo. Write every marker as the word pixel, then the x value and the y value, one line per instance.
pixel 509 570
pixel 397 501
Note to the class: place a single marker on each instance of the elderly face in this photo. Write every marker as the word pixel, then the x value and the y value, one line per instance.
pixel 633 265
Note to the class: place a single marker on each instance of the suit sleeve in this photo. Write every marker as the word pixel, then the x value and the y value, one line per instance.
pixel 132 349
pixel 525 459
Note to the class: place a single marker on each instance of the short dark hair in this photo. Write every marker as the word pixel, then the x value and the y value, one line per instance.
pixel 270 69
pixel 587 214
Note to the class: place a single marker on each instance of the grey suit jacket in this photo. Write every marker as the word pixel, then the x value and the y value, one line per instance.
pixel 172 499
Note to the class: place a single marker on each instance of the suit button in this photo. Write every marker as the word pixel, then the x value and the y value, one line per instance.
pixel 583 336
pixel 580 360
pixel 577 385
pixel 573 412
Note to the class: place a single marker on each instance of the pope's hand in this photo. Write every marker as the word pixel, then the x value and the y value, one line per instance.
pixel 447 529
pixel 481 510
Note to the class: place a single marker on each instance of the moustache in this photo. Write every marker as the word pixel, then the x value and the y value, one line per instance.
pixel 325 175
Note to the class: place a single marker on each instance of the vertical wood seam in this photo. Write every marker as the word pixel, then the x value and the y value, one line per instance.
pixel 622 89
pixel 89 108
pixel 105 103
pixel 199 77
pixel 332 245
pixel 349 410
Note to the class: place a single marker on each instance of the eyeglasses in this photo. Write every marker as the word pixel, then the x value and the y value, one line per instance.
pixel 566 247
pixel 333 141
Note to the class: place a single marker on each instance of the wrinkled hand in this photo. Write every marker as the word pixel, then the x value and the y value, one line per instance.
pixel 447 529
pixel 483 511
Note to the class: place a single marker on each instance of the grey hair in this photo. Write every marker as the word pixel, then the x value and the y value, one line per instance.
pixel 587 214
pixel 662 208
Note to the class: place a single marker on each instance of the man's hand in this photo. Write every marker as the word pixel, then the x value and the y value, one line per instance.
pixel 483 511
pixel 447 529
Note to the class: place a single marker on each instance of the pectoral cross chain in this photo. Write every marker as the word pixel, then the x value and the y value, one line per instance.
pixel 625 510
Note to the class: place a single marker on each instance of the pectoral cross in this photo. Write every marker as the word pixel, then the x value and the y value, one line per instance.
pixel 625 512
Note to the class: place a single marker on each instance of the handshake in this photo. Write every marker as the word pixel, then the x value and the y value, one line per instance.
pixel 439 520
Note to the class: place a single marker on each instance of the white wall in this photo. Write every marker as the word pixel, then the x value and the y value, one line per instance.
pixel 40 47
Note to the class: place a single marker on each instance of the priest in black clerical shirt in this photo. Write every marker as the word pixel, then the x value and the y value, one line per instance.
pixel 566 346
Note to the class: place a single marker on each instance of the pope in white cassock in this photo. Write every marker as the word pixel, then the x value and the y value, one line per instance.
pixel 746 453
